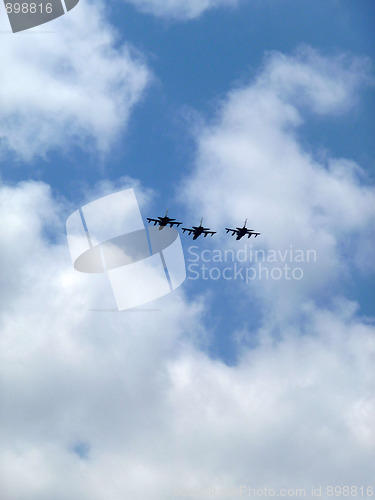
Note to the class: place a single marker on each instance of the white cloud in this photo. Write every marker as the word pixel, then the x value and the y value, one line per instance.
pixel 59 355
pixel 180 9
pixel 67 83
pixel 155 413
pixel 287 415
pixel 324 84
pixel 250 164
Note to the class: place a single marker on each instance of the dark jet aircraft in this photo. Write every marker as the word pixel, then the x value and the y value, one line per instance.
pixel 242 231
pixel 164 221
pixel 198 230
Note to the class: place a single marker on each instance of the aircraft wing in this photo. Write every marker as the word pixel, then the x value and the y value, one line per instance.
pixel 252 232
pixel 177 223
pixel 155 221
pixel 186 229
pixel 234 231
pixel 209 232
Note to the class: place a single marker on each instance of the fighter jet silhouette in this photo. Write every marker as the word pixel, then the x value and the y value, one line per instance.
pixel 242 231
pixel 198 230
pixel 164 221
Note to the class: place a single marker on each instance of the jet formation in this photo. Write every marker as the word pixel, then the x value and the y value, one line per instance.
pixel 196 231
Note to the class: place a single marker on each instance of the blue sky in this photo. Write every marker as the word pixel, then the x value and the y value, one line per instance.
pixel 211 54
pixel 261 110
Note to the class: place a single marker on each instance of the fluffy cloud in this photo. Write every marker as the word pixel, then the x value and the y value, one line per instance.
pixel 250 163
pixel 284 416
pixel 180 9
pixel 67 83
pixel 50 341
pixel 99 405
pixel 102 405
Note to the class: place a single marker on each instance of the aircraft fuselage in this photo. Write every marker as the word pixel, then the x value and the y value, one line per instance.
pixel 241 232
pixel 198 231
pixel 163 222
